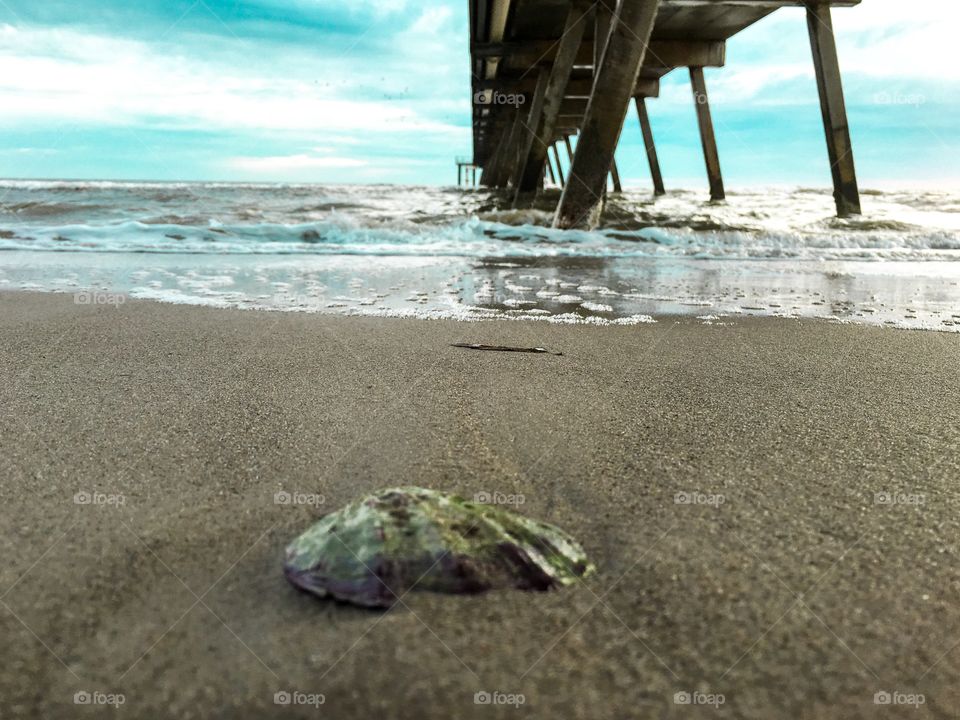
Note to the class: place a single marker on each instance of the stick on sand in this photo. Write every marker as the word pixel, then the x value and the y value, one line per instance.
pixel 505 348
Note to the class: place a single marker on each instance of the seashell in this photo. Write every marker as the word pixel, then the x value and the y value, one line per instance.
pixel 376 549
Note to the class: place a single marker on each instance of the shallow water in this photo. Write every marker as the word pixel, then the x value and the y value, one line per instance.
pixel 445 252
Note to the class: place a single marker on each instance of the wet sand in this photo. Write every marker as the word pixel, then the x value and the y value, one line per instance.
pixel 781 580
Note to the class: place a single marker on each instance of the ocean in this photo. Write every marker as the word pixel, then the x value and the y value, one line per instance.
pixel 432 252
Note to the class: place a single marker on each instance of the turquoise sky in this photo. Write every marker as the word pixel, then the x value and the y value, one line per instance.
pixel 378 91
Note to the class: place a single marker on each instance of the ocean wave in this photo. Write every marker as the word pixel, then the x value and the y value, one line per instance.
pixel 220 218
pixel 473 238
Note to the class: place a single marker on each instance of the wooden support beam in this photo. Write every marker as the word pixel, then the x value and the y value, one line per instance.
pixel 669 54
pixel 566 141
pixel 513 149
pixel 556 160
pixel 647 88
pixel 529 53
pixel 839 148
pixel 752 3
pixel 662 53
pixel 581 202
pixel 604 13
pixel 647 131
pixel 527 132
pixel 550 172
pixel 707 137
pixel 489 165
pixel 505 152
pixel 615 177
pixel 576 88
pixel 545 123
pixel 485 173
pixel 604 18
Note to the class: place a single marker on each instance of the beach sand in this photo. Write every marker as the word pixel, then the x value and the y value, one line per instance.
pixel 798 596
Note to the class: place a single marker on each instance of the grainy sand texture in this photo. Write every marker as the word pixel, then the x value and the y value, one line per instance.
pixel 771 506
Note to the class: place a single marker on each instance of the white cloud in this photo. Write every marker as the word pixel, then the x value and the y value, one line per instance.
pixel 884 43
pixel 432 20
pixel 61 74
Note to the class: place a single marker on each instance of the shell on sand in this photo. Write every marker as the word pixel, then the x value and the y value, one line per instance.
pixel 377 548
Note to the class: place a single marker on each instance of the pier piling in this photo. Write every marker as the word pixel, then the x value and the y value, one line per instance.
pixel 707 137
pixel 546 122
pixel 615 177
pixel 613 86
pixel 527 132
pixel 839 149
pixel 647 131
pixel 505 152
pixel 604 12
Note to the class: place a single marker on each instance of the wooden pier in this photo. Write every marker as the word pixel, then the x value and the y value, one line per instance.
pixel 547 70
pixel 466 172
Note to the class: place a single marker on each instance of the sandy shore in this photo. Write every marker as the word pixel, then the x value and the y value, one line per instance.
pixel 798 596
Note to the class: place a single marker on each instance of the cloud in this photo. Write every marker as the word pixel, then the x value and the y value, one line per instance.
pixel 57 74
pixel 884 47
pixel 432 20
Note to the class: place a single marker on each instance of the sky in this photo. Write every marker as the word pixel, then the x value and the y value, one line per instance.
pixel 378 91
